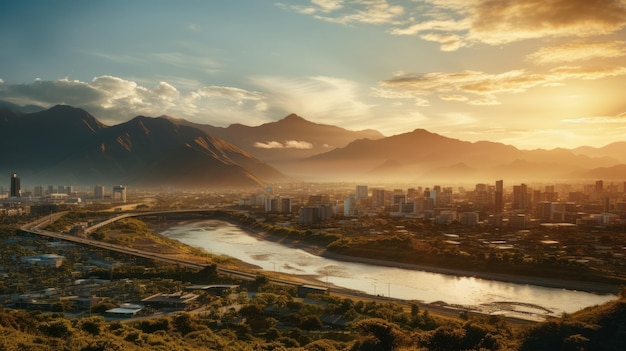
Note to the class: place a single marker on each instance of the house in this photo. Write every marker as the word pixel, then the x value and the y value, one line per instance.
pixel 304 290
pixel 125 310
pixel 216 290
pixel 177 301
pixel 46 260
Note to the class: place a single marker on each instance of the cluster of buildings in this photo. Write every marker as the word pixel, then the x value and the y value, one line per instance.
pixel 519 206
pixel 43 200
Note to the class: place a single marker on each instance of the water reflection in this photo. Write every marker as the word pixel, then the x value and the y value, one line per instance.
pixel 225 238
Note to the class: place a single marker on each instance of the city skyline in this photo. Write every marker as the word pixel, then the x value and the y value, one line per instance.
pixel 528 73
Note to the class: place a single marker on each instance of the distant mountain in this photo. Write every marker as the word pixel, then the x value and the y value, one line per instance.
pixel 616 172
pixel 68 145
pixel 20 109
pixel 428 156
pixel 615 150
pixel 291 138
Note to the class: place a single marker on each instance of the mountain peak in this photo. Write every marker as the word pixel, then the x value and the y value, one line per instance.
pixel 294 118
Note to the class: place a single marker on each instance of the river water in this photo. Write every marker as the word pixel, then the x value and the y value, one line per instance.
pixel 223 238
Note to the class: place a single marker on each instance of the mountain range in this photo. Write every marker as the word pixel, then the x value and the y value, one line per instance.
pixel 67 145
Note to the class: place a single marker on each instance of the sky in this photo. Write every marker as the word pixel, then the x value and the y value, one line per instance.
pixel 530 73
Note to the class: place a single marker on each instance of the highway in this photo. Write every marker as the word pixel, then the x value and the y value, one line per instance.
pixel 35 228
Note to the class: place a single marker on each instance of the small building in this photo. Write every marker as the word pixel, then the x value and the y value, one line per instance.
pixel 125 310
pixel 177 301
pixel 216 290
pixel 304 290
pixel 46 260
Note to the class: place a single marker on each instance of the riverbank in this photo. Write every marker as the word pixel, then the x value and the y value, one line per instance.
pixel 586 286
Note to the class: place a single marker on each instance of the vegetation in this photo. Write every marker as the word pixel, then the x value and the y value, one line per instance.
pixel 272 319
pixel 254 327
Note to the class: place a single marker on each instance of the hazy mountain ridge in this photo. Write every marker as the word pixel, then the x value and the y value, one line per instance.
pixel 615 150
pixel 424 155
pixel 69 145
pixel 72 144
pixel 286 140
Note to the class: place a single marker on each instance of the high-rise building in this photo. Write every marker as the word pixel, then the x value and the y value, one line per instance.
pixel 361 192
pixel 38 191
pixel 16 187
pixel 499 196
pixel 286 204
pixel 378 198
pixel 521 198
pixel 272 204
pixel 98 192
pixel 119 193
pixel 599 186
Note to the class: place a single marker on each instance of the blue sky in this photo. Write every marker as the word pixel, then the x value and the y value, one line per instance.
pixel 531 73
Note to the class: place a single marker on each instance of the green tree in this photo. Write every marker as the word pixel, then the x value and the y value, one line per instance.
pixel 379 334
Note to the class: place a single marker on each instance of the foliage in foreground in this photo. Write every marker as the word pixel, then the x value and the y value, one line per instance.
pixel 597 328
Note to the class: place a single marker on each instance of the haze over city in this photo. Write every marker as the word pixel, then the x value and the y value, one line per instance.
pixel 533 74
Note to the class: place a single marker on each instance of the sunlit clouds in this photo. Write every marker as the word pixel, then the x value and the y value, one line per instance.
pixel 323 99
pixel 456 86
pixel 116 100
pixel 578 51
pixel 288 144
pixel 534 73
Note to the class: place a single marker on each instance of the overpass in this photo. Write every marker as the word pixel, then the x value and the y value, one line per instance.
pixel 35 228
pixel 159 213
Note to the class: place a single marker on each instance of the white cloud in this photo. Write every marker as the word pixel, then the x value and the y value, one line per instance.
pixel 322 98
pixel 449 42
pixel 295 144
pixel 114 100
pixel 347 12
pixel 453 98
pixel 477 21
pixel 269 145
pixel 578 51
pixel 618 119
pixel 328 5
pixel 288 144
pixel 452 85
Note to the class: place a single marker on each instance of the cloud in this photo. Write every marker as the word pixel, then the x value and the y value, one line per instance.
pixel 454 86
pixel 514 20
pixel 233 94
pixel 328 5
pixel 453 97
pixel 269 145
pixel 462 23
pixel 578 51
pixel 320 97
pixel 115 100
pixel 294 144
pixel 449 42
pixel 288 144
pixel 618 119
pixel 347 12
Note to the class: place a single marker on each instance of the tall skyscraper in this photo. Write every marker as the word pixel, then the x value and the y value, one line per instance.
pixel 499 198
pixel 98 192
pixel 521 197
pixel 119 193
pixel 16 188
pixel 361 192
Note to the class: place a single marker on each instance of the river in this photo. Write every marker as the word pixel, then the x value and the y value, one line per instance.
pixel 223 238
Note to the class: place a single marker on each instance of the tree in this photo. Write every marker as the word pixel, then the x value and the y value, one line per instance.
pixel 378 334
pixel 310 322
